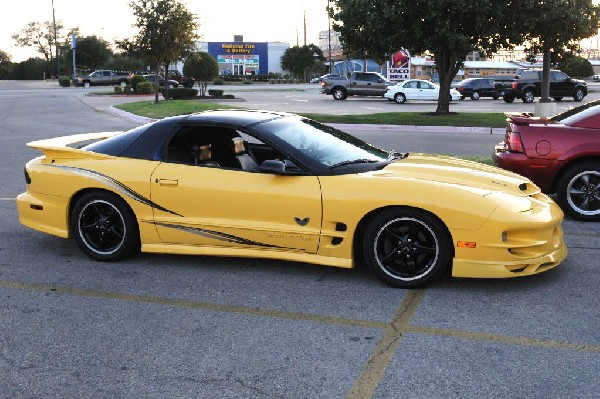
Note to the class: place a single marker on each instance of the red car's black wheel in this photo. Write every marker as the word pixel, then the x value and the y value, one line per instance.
pixel 578 191
pixel 407 247
pixel 104 226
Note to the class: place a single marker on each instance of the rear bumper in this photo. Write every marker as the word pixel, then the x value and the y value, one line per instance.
pixel 45 213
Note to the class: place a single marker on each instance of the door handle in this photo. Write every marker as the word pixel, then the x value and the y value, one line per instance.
pixel 166 182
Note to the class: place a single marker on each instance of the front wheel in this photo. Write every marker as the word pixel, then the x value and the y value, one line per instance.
pixel 407 247
pixel 475 96
pixel 400 98
pixel 578 95
pixel 578 191
pixel 104 227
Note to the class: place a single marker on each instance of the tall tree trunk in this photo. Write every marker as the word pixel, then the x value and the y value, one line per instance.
pixel 447 69
pixel 156 83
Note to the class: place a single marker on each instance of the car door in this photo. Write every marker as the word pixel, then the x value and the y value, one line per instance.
pixel 224 207
pixel 411 89
pixel 361 84
pixel 427 91
pixel 560 84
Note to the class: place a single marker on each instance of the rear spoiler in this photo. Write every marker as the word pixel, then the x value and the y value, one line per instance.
pixel 70 146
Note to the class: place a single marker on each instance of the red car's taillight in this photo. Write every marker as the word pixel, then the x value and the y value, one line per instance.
pixel 514 142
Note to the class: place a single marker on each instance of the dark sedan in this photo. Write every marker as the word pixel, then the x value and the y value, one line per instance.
pixel 560 154
pixel 172 84
pixel 475 88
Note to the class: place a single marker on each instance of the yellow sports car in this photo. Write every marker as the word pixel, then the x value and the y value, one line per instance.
pixel 280 186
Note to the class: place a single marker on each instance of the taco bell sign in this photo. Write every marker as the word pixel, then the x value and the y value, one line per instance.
pixel 399 66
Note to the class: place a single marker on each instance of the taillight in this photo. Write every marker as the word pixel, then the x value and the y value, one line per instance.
pixel 514 142
pixel 515 85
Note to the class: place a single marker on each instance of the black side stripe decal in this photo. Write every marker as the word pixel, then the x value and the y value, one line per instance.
pixel 216 235
pixel 115 184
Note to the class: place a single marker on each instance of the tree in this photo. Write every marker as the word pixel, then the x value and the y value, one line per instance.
pixel 302 60
pixel 92 52
pixel 556 30
pixel 167 32
pixel 201 66
pixel 575 66
pixel 5 65
pixel 448 29
pixel 40 35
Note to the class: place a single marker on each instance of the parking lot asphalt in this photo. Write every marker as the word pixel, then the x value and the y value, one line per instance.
pixel 164 326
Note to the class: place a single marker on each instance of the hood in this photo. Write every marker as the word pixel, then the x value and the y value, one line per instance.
pixel 469 175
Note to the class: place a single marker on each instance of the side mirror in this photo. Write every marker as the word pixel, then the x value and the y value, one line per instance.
pixel 277 167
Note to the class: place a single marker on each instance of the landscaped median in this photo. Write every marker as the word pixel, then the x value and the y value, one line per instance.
pixel 466 119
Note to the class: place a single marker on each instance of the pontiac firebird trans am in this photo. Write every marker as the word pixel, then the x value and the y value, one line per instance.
pixel 279 186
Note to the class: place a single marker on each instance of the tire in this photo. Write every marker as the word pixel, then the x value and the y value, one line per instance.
pixel 495 97
pixel 104 227
pixel 122 84
pixel 462 97
pixel 557 99
pixel 399 98
pixel 86 85
pixel 528 96
pixel 578 191
pixel 171 86
pixel 508 99
pixel 339 94
pixel 407 247
pixel 475 96
pixel 578 95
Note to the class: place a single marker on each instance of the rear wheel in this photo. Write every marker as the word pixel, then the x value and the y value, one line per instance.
pixel 104 227
pixel 407 247
pixel 400 98
pixel 339 94
pixel 508 99
pixel 528 96
pixel 475 96
pixel 578 191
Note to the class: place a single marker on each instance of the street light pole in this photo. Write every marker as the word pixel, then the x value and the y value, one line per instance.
pixel 55 42
pixel 329 38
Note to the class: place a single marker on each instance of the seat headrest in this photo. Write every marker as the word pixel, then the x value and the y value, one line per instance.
pixel 238 145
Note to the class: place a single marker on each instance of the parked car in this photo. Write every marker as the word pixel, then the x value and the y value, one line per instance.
pixel 596 78
pixel 528 84
pixel 174 74
pixel 319 79
pixel 358 84
pixel 475 88
pixel 560 154
pixel 416 89
pixel 279 186
pixel 103 77
pixel 172 84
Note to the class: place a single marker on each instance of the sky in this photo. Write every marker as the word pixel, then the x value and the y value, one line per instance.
pixel 256 21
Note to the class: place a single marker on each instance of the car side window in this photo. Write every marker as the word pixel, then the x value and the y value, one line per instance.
pixel 559 76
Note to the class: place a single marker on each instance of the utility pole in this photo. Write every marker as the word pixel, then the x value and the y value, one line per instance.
pixel 305 27
pixel 55 42
pixel 329 38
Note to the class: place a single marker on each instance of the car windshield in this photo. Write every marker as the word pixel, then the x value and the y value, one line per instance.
pixel 320 143
pixel 572 115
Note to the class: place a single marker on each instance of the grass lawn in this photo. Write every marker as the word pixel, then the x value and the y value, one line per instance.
pixel 472 119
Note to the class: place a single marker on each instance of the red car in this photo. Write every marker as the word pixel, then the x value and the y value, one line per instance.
pixel 560 154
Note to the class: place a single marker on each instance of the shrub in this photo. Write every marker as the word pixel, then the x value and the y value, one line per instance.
pixel 64 81
pixel 219 82
pixel 127 89
pixel 180 93
pixel 215 93
pixel 135 80
pixel 118 89
pixel 144 88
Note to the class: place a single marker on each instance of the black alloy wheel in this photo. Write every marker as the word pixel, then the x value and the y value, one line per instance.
pixel 407 247
pixel 104 227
